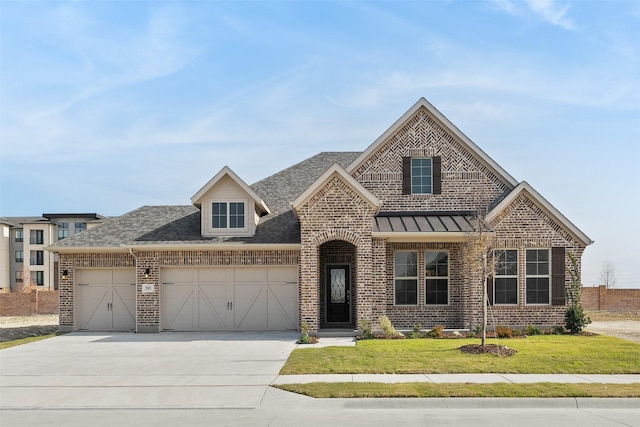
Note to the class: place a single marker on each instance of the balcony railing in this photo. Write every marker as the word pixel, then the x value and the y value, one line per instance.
pixel 36 241
pixel 37 261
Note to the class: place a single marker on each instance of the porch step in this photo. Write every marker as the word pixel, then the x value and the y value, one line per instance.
pixel 329 333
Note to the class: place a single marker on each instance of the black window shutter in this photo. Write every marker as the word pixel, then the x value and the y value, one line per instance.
pixel 406 175
pixel 490 290
pixel 557 276
pixel 437 174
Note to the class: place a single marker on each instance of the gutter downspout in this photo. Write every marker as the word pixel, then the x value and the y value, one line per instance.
pixel 131 252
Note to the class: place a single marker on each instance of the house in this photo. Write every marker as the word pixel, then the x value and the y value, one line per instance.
pixel 23 259
pixel 333 240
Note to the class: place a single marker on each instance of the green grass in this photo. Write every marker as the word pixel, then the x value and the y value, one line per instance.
pixel 13 343
pixel 336 390
pixel 547 354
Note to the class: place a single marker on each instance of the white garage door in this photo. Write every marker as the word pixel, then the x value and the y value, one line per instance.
pixel 106 300
pixel 226 298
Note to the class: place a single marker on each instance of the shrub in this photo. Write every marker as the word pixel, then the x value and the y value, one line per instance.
pixel 531 330
pixel 436 332
pixel 365 325
pixel 387 327
pixel 558 330
pixel 575 319
pixel 416 332
pixel 305 338
pixel 475 332
pixel 504 331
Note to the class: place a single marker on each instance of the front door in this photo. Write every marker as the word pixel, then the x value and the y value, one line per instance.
pixel 338 293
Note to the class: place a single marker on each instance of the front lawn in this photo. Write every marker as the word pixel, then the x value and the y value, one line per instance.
pixel 546 354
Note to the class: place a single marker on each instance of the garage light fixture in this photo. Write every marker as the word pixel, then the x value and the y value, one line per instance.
pixel 65 274
pixel 147 273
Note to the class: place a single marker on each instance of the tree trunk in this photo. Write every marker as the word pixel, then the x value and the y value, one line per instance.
pixel 484 317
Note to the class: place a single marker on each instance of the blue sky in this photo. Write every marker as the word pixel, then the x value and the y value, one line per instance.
pixel 110 105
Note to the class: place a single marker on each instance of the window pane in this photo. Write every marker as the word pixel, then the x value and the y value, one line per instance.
pixel 219 215
pixel 236 215
pixel 406 264
pixel 505 290
pixel 406 292
pixel 537 290
pixel 421 176
pixel 437 291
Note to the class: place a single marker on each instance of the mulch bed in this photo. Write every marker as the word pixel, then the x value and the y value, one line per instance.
pixel 500 350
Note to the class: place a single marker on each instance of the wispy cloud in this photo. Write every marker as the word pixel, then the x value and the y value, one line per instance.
pixel 548 10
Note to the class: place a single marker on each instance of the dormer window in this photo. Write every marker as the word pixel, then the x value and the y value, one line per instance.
pixel 227 215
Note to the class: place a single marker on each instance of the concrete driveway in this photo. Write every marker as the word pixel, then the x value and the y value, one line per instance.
pixel 126 370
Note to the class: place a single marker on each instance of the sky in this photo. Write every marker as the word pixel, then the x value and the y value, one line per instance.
pixel 106 106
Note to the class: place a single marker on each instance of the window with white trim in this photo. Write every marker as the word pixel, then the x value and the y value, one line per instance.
pixel 19 235
pixel 505 280
pixel 436 277
pixel 228 215
pixel 421 176
pixel 406 278
pixel 19 256
pixel 537 276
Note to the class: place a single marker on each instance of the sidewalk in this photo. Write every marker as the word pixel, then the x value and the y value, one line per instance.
pixel 458 378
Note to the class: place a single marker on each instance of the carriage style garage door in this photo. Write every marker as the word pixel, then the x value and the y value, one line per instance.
pixel 227 299
pixel 106 300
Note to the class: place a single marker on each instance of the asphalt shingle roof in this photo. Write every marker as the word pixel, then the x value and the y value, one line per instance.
pixel 152 225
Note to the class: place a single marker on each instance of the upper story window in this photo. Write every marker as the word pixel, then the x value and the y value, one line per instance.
pixel 19 256
pixel 228 215
pixel 36 237
pixel 537 276
pixel 422 175
pixel 63 230
pixel 406 278
pixel 505 280
pixel 437 277
pixel 80 226
pixel 19 235
pixel 37 277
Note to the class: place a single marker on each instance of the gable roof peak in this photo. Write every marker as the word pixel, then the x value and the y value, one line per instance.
pixel 448 125
pixel 261 206
pixel 338 170
pixel 525 187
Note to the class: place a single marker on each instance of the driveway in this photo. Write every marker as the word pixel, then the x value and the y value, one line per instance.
pixel 125 370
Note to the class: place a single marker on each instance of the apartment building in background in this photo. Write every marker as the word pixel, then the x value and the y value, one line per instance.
pixel 24 261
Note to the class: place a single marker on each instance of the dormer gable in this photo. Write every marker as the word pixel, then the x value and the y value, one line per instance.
pixel 228 206
pixel 336 171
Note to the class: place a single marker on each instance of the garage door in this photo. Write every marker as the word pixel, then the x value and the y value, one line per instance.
pixel 106 300
pixel 221 299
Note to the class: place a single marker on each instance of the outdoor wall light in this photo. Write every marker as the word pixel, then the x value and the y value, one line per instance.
pixel 147 273
pixel 65 274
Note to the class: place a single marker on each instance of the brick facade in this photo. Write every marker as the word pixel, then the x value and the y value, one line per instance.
pixel 336 227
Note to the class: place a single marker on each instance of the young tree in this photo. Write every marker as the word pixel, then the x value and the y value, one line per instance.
pixel 478 259
pixel 608 275
pixel 575 319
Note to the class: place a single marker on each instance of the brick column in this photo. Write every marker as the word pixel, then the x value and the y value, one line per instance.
pixel 148 303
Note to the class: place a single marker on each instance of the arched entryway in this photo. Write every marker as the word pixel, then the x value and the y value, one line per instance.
pixel 337 283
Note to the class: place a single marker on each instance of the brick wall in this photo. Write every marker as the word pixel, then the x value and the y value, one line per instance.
pixel 28 303
pixel 601 298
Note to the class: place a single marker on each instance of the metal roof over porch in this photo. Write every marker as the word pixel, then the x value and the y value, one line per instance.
pixel 421 226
